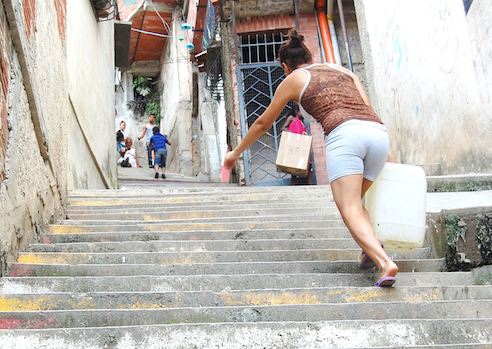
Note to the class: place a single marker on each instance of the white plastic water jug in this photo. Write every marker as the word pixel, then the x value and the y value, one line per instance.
pixel 396 206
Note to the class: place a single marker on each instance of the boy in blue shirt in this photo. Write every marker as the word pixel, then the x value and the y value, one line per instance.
pixel 158 143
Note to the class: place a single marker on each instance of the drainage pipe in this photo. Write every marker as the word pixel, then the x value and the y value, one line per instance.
pixel 333 33
pixel 325 31
pixel 320 42
pixel 344 31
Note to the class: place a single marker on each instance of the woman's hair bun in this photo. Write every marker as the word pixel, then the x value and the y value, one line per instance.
pixel 294 52
pixel 295 39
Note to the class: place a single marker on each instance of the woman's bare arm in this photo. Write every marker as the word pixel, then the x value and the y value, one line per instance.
pixel 288 90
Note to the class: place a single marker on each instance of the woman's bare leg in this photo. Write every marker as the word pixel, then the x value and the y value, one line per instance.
pixel 347 194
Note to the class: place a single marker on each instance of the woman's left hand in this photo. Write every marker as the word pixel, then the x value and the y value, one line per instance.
pixel 230 159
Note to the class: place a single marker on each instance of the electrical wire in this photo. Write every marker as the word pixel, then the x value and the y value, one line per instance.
pixel 164 23
pixel 150 33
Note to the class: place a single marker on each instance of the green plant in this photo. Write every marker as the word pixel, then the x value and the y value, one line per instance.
pixel 153 106
pixel 147 97
pixel 142 86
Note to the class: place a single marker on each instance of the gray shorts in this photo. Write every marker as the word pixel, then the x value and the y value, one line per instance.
pixel 356 147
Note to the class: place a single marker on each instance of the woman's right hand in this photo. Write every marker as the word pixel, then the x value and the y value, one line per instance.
pixel 230 159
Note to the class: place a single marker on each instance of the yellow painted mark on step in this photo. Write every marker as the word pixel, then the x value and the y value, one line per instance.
pixel 179 260
pixel 428 296
pixel 39 259
pixel 18 304
pixel 269 298
pixel 191 215
pixel 364 296
pixel 396 294
pixel 150 218
pixel 66 229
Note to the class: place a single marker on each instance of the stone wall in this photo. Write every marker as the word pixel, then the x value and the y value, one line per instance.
pixel 422 82
pixel 463 237
pixel 45 146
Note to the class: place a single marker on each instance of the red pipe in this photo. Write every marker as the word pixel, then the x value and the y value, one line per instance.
pixel 325 31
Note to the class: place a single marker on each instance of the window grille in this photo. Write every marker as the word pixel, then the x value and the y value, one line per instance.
pixel 260 47
pixel 105 10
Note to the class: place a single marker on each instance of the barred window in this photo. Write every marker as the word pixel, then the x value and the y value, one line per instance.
pixel 260 47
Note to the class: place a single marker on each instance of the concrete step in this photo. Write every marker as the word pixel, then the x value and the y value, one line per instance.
pixel 330 218
pixel 442 346
pixel 176 191
pixel 62 234
pixel 235 215
pixel 203 256
pixel 476 309
pixel 235 199
pixel 190 207
pixel 210 206
pixel 155 195
pixel 289 267
pixel 409 333
pixel 197 201
pixel 203 245
pixel 218 283
pixel 289 296
pixel 73 227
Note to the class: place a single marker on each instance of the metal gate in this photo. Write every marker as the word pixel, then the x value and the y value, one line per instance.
pixel 257 84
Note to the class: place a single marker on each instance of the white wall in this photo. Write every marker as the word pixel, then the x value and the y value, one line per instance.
pixel 176 104
pixel 479 20
pixel 209 130
pixel 422 82
pixel 90 61
pixel 134 123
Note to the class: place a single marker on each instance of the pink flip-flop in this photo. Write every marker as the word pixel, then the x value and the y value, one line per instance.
pixel 386 281
pixel 225 174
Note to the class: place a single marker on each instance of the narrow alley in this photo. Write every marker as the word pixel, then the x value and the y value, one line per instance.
pixel 146 203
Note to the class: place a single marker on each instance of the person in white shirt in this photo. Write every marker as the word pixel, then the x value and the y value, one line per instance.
pixel 128 156
pixel 147 133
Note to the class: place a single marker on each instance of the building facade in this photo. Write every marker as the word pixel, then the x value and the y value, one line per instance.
pixel 430 85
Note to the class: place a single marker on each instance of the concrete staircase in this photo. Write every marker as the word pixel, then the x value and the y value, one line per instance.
pixel 213 267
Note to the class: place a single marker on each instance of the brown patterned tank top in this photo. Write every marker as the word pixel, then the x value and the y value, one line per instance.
pixel 331 98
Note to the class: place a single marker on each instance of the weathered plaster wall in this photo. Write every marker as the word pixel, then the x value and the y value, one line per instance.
pixel 34 182
pixel 176 102
pixel 422 83
pixel 29 196
pixel 90 62
pixel 44 151
pixel 479 20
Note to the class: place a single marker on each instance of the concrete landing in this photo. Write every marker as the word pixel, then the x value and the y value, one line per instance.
pixel 130 178
pixel 436 202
